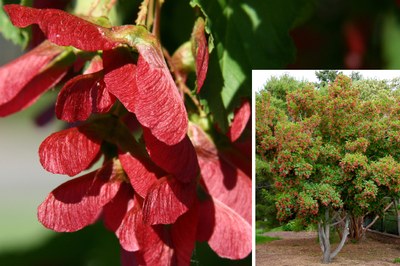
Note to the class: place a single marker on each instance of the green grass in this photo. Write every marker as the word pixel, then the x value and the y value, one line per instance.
pixel 260 231
pixel 277 229
pixel 396 260
pixel 260 239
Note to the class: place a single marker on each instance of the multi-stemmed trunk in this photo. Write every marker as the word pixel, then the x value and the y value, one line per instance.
pixel 324 227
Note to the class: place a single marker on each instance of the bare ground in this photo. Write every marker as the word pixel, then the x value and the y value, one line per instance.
pixel 302 249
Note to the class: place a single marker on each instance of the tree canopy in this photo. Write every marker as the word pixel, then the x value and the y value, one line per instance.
pixel 331 154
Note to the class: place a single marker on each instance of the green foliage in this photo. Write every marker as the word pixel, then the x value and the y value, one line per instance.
pixel 261 211
pixel 374 89
pixel 355 76
pixel 261 226
pixel 295 225
pixel 311 227
pixel 396 260
pixel 266 210
pixel 16 35
pixel 279 87
pixel 326 76
pixel 265 194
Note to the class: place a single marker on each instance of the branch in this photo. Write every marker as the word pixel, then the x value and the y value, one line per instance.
pixel 377 217
pixel 338 222
pixel 335 216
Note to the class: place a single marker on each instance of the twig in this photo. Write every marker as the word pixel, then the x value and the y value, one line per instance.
pixel 338 222
pixel 111 4
pixel 93 6
pixel 157 18
pixel 142 15
pixel 180 82
pixel 150 14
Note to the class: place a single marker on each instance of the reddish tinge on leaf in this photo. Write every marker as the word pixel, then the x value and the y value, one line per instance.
pixel 78 202
pixel 183 233
pixel 179 159
pixel 223 180
pixel 159 244
pixel 62 28
pixel 158 105
pixel 152 243
pixel 127 231
pixel 33 78
pixel 148 91
pixel 69 151
pixel 119 76
pixel 231 235
pixel 166 200
pixel 83 95
pixel 96 65
pixel 142 173
pixel 156 102
pixel 200 51
pixel 240 120
pixel 115 210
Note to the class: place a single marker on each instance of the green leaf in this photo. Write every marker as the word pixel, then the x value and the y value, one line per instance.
pixel 391 41
pixel 27 2
pixel 18 36
pixel 246 35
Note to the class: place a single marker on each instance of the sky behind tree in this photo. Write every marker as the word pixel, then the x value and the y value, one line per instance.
pixel 260 77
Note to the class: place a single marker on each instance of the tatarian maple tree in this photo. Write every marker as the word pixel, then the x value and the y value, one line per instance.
pixel 160 171
pixel 334 155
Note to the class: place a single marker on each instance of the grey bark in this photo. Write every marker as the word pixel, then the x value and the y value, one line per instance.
pixel 324 232
pixel 344 238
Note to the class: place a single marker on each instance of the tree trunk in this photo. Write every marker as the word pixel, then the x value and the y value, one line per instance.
pixel 356 228
pixel 323 233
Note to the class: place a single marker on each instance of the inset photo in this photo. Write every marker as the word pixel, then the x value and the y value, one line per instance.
pixel 327 167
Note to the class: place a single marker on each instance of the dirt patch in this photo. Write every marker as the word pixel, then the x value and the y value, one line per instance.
pixel 302 249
